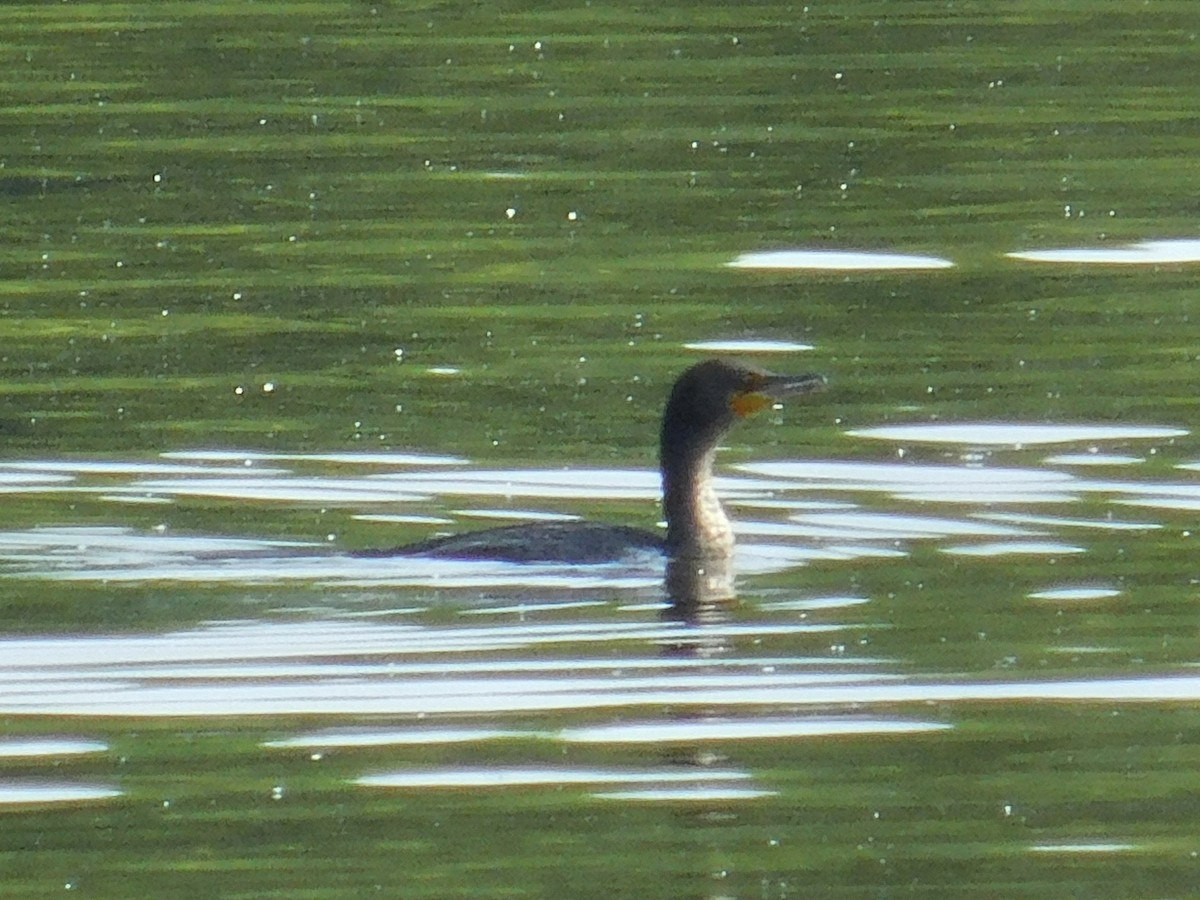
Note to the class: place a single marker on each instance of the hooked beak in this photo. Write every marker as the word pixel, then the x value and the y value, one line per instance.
pixel 779 386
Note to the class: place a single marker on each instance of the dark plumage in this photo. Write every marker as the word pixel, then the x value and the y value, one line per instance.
pixel 704 403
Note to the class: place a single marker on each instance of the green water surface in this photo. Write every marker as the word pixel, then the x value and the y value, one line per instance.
pixel 274 225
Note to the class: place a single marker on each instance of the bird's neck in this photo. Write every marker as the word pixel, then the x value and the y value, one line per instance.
pixel 696 522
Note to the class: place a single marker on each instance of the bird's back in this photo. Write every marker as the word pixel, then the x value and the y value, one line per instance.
pixel 566 542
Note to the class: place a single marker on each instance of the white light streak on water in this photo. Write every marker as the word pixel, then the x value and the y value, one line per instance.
pixel 895 525
pixel 1014 548
pixel 1144 253
pixel 748 346
pixel 1006 434
pixel 501 776
pixel 1083 848
pixel 32 791
pixel 1093 459
pixel 334 668
pixel 11 748
pixel 1076 593
pixel 357 459
pixel 836 261
pixel 682 730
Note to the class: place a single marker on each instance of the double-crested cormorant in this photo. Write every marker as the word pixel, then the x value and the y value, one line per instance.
pixel 704 403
